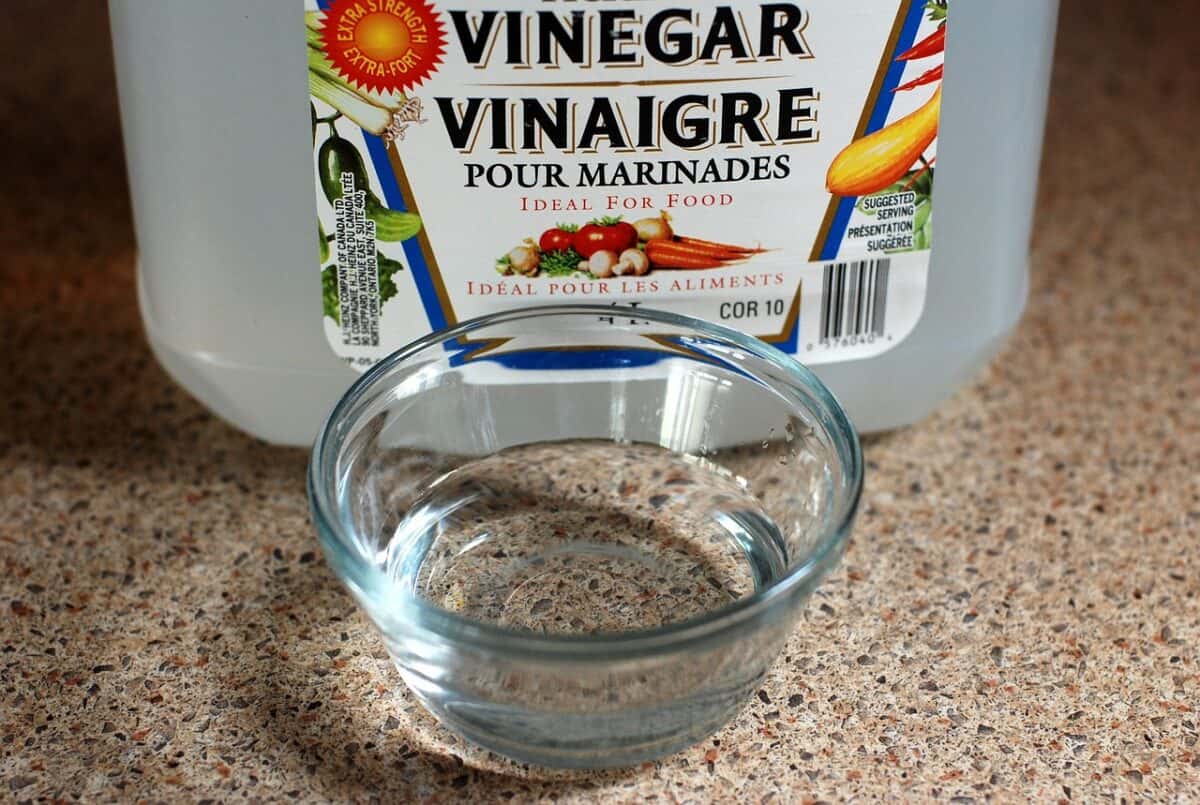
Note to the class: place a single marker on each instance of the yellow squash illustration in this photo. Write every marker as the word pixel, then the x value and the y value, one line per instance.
pixel 878 160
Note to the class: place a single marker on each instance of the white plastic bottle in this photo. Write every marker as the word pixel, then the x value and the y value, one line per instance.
pixel 220 143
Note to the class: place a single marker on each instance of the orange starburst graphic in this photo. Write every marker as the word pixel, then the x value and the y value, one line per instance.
pixel 383 45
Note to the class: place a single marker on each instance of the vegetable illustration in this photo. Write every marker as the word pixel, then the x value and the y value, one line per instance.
pixel 633 261
pixel 524 260
pixel 610 234
pixel 392 226
pixel 558 239
pixel 323 85
pixel 924 78
pixel 603 263
pixel 676 254
pixel 929 46
pixel 658 228
pixel 722 251
pixel 387 116
pixel 337 156
pixel 920 183
pixel 609 247
pixel 562 263
pixel 330 300
pixel 872 163
pixel 388 268
pixel 880 159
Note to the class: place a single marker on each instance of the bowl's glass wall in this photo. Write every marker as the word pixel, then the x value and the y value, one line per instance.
pixel 695 394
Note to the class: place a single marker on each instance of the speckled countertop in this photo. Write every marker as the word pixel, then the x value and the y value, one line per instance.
pixel 1018 615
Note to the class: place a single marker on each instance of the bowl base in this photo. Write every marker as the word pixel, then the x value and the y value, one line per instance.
pixel 600 740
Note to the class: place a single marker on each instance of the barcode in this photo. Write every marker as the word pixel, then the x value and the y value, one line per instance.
pixel 854 299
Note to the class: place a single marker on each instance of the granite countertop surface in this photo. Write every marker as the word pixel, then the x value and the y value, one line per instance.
pixel 1017 617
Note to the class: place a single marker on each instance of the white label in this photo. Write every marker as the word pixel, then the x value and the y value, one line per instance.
pixel 776 159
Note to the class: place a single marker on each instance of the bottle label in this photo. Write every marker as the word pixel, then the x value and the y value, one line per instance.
pixel 764 165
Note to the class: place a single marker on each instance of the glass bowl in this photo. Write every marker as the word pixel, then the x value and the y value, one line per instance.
pixel 585 532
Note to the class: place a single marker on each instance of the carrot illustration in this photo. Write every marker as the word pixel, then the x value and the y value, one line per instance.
pixel 878 160
pixel 924 78
pixel 672 254
pixel 723 250
pixel 926 167
pixel 715 253
pixel 929 46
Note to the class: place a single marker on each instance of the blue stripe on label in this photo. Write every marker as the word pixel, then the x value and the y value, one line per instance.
pixel 879 116
pixel 554 361
pixel 412 247
pixel 792 345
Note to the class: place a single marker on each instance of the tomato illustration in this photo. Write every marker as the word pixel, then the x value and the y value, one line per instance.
pixel 605 234
pixel 558 239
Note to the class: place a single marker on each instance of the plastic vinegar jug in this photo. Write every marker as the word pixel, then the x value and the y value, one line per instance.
pixel 316 184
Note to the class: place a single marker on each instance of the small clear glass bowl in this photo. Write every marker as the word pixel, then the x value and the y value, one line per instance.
pixel 585 532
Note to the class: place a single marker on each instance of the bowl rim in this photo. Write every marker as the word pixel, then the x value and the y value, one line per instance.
pixel 368 581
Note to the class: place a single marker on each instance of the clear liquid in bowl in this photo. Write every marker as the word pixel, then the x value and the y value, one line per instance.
pixel 584 537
